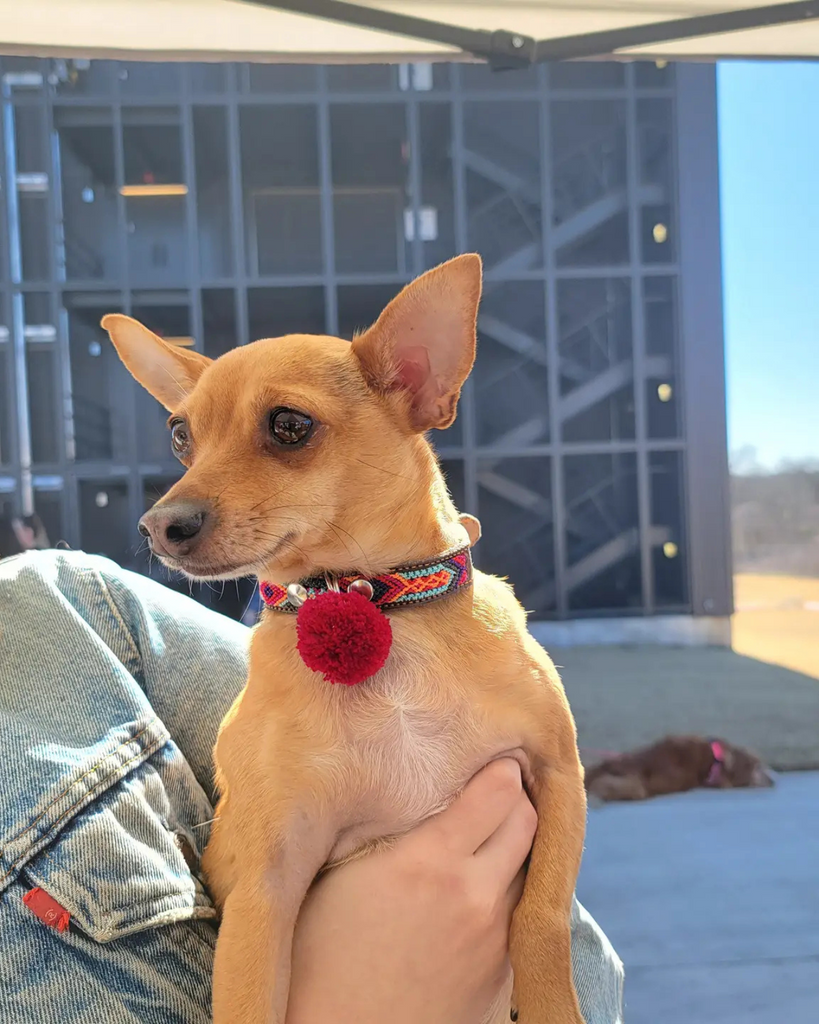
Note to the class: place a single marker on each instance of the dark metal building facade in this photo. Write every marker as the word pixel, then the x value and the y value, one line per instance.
pixel 221 203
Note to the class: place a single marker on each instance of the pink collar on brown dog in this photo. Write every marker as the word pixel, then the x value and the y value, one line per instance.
pixel 715 771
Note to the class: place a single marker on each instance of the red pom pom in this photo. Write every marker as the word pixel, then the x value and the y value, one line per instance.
pixel 343 636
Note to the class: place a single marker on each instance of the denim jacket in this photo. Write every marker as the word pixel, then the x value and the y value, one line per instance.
pixel 111 691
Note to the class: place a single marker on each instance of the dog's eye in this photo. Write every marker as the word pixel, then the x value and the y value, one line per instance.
pixel 289 426
pixel 180 439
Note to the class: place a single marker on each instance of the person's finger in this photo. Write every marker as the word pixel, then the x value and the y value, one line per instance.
pixel 485 803
pixel 505 851
pixel 515 891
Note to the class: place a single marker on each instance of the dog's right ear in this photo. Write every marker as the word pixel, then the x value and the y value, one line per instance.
pixel 167 372
pixel 423 345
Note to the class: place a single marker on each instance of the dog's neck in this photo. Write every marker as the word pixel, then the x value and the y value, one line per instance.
pixel 410 521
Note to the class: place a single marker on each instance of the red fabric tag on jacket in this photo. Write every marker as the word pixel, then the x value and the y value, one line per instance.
pixel 47 909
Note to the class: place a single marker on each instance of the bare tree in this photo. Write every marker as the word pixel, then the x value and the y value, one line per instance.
pixel 775 517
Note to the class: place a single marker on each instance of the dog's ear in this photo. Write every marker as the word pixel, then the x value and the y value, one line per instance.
pixel 169 373
pixel 423 344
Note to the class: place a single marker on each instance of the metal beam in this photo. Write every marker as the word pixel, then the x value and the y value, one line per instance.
pixel 506 50
pixel 501 49
pixel 18 318
pixel 601 44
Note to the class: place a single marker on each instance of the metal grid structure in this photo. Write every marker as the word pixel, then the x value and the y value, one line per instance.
pixel 303 198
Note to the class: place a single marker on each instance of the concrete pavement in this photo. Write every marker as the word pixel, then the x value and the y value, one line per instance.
pixel 711 898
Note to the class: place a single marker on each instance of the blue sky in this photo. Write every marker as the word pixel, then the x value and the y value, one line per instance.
pixel 769 156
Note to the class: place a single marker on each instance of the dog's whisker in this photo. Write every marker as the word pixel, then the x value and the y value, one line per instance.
pixel 380 469
pixel 271 497
pixel 336 528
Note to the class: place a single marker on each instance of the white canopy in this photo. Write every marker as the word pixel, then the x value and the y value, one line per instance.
pixel 237 30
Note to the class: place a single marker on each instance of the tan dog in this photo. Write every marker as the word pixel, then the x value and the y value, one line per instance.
pixel 344 481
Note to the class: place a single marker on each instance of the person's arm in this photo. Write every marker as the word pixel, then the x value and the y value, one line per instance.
pixel 419 931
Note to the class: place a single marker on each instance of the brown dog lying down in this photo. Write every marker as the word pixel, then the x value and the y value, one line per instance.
pixel 308 466
pixel 674 765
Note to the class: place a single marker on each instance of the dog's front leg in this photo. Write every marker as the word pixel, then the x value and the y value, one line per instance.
pixel 251 972
pixel 541 928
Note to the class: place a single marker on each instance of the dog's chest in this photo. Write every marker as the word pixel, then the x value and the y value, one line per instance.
pixel 408 755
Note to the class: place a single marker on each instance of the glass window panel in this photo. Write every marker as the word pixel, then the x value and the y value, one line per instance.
pixel 360 305
pixel 441 75
pixel 656 181
pixel 502 162
pixel 148 78
pixel 157 250
pixel 35 236
pixel 361 77
pixel 653 74
pixel 38 317
pixel 571 74
pixel 369 195
pixel 219 321
pixel 48 505
pixel 30 136
pixel 44 392
pixel 668 541
pixel 105 520
pixel 436 214
pixel 100 384
pixel 157 243
pixel 45 403
pixel 515 510
pixel 9 545
pixel 453 470
pixel 21 65
pixel 589 183
pixel 208 78
pixel 481 77
pixel 511 374
pixel 660 312
pixel 81 77
pixel 90 224
pixel 282 77
pixel 273 312
pixel 596 366
pixel 280 177
pixel 663 398
pixel 602 535
pixel 213 192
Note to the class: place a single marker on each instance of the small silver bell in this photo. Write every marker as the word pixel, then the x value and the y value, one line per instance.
pixel 363 587
pixel 296 594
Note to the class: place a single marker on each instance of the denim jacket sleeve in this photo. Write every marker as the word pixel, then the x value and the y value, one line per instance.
pixel 111 691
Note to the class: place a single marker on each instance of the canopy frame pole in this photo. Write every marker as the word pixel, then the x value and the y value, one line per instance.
pixel 506 50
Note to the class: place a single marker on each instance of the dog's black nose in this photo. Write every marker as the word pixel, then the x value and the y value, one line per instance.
pixel 174 529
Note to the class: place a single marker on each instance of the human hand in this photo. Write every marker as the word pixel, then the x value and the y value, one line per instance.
pixel 419 931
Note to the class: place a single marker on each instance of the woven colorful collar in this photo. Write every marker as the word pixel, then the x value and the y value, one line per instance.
pixel 401 588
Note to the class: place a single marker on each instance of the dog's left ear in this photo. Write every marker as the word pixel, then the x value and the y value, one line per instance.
pixel 423 344
pixel 167 372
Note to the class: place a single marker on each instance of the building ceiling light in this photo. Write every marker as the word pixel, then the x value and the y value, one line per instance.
pixel 153 189
pixel 670 549
pixel 659 233
pixel 665 392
